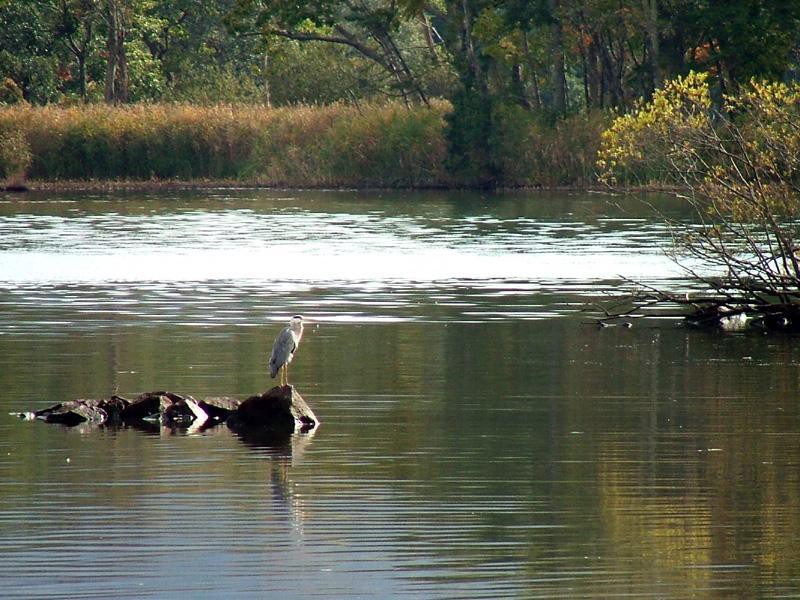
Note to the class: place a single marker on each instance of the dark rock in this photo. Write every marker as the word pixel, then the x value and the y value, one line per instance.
pixel 75 412
pixel 278 409
pixel 175 414
pixel 98 412
pixel 149 406
pixel 115 408
pixel 219 409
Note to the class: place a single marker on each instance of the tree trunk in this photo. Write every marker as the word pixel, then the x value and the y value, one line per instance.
pixel 111 51
pixel 427 32
pixel 518 87
pixel 610 72
pixel 82 76
pixel 537 98
pixel 267 87
pixel 559 79
pixel 122 67
pixel 595 77
pixel 116 88
pixel 409 81
pixel 78 46
pixel 468 45
pixel 651 41
pixel 391 61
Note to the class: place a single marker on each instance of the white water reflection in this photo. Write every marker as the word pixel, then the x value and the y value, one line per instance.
pixel 277 244
pixel 283 263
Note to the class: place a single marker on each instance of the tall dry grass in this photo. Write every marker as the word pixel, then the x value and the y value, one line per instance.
pixel 535 152
pixel 347 146
pixel 15 156
pixel 303 146
pixel 334 145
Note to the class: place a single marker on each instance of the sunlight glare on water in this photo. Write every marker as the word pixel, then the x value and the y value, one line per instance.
pixel 307 245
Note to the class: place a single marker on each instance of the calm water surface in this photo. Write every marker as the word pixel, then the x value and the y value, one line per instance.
pixel 478 438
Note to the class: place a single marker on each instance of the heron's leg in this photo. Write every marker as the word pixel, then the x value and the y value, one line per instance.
pixel 283 375
pixel 287 373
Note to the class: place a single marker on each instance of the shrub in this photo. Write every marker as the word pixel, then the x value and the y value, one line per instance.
pixel 738 165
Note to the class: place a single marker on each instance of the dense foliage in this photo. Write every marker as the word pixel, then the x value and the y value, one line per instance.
pixel 507 67
pixel 553 55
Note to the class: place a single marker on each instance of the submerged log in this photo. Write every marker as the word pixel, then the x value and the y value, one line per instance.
pixel 279 409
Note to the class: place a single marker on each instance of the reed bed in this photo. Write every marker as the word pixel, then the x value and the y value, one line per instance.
pixel 535 152
pixel 333 145
pixel 303 146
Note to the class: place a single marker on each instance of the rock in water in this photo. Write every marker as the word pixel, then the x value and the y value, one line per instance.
pixel 107 411
pixel 279 409
pixel 149 405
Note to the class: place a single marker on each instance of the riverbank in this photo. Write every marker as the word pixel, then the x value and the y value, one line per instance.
pixel 336 146
pixel 155 185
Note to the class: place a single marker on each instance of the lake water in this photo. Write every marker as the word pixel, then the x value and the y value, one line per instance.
pixel 480 438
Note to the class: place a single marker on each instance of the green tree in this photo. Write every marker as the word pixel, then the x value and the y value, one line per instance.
pixel 372 29
pixel 118 15
pixel 75 24
pixel 197 55
pixel 27 50
pixel 735 40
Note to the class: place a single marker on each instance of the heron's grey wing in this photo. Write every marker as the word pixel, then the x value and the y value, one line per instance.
pixel 281 351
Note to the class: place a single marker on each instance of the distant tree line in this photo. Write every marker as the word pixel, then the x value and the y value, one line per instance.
pixel 497 61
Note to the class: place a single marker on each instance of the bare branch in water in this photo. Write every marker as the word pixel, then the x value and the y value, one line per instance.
pixel 738 169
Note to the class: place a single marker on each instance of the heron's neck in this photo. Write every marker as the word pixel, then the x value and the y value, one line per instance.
pixel 297 329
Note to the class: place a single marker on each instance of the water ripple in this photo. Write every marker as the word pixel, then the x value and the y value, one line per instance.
pixel 301 244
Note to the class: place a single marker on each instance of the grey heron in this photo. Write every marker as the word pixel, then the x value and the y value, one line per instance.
pixel 284 348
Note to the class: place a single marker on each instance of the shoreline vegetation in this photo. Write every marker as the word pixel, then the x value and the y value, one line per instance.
pixel 737 166
pixel 380 146
pixel 158 185
pixel 368 95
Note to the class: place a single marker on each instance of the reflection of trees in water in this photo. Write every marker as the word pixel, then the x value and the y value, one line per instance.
pixel 695 452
